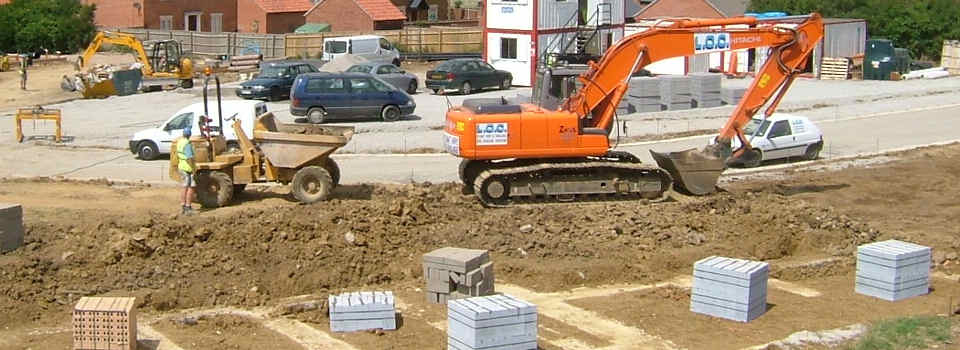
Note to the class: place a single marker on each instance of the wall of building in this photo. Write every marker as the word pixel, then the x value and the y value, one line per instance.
pixel 153 9
pixel 250 17
pixel 388 25
pixel 342 15
pixel 680 8
pixel 557 14
pixel 117 13
pixel 286 22
pixel 844 39
pixel 611 12
pixel 517 15
pixel 519 67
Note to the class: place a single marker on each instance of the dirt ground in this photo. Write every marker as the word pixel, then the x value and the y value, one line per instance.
pixel 100 238
pixel 43 81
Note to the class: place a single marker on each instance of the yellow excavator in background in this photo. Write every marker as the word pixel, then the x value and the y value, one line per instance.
pixel 165 62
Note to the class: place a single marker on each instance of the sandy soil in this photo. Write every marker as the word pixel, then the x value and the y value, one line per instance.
pixel 99 238
pixel 43 81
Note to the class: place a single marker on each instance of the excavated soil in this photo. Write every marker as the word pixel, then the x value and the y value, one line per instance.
pixel 101 238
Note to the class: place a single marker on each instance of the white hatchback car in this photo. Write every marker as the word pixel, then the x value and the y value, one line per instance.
pixel 782 136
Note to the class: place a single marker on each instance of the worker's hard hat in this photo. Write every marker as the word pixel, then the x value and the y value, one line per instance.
pixel 207 71
pixel 187 132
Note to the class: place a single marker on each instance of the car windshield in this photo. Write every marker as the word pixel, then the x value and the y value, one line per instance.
pixel 360 69
pixel 272 72
pixel 335 47
pixel 756 127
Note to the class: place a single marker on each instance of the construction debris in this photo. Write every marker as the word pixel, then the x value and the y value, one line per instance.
pixel 245 63
pixel 103 323
pixel 453 273
pixel 728 288
pixel 493 322
pixel 360 311
pixel 11 227
pixel 105 80
pixel 893 270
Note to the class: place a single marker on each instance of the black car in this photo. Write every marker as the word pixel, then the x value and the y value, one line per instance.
pixel 467 75
pixel 274 81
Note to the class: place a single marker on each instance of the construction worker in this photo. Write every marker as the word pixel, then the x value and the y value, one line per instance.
pixel 186 166
pixel 23 72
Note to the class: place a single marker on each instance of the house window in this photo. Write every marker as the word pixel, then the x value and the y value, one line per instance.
pixel 432 12
pixel 508 48
pixel 166 22
pixel 216 22
pixel 191 21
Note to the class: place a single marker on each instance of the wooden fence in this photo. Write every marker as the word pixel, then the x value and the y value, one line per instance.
pixel 215 44
pixel 411 40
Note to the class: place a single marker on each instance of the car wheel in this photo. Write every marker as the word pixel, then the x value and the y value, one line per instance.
pixel 466 89
pixel 396 62
pixel 146 150
pixel 755 162
pixel 506 83
pixel 275 94
pixel 436 91
pixel 316 115
pixel 412 87
pixel 812 153
pixel 311 184
pixel 390 113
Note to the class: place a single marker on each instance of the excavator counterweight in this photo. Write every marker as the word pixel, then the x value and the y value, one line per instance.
pixel 560 151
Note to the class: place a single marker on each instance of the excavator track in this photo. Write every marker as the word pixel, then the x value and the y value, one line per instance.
pixel 570 180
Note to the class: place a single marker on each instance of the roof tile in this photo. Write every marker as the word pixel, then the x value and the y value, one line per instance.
pixel 381 10
pixel 279 6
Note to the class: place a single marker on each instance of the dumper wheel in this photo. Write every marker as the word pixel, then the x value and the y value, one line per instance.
pixel 311 184
pixel 214 189
pixel 334 171
pixel 186 83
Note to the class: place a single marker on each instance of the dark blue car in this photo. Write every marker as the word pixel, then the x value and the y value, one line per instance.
pixel 274 81
pixel 323 96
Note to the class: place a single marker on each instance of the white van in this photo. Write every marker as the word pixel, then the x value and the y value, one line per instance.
pixel 782 136
pixel 374 48
pixel 150 143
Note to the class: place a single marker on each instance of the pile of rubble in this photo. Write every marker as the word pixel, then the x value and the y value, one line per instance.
pixel 94 79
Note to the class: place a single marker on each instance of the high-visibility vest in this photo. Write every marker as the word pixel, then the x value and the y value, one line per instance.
pixel 181 146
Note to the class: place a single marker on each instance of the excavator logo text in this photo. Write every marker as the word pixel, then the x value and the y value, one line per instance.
pixel 711 42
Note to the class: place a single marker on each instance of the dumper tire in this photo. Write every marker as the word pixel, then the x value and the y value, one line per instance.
pixel 186 83
pixel 214 189
pixel 331 167
pixel 311 184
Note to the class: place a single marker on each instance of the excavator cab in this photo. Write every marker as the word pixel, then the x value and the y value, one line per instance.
pixel 166 55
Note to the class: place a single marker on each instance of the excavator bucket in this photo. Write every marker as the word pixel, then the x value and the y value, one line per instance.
pixel 694 171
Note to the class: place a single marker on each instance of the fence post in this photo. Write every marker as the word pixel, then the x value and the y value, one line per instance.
pixel 440 40
pixel 420 41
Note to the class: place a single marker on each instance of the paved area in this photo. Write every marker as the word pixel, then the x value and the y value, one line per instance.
pixel 842 136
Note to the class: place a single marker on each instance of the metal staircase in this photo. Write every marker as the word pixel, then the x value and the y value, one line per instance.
pixel 583 45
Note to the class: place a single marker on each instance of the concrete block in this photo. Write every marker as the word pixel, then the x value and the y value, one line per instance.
pixel 456 259
pixel 729 288
pixel 889 295
pixel 893 270
pixel 727 313
pixel 492 322
pixel 362 311
pixel 11 227
pixel 453 344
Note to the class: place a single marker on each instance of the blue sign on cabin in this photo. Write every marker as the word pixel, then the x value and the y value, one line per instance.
pixel 506 9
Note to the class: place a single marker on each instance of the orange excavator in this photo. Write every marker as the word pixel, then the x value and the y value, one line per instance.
pixel 527 152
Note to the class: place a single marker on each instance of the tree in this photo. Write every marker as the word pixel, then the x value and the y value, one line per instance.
pixel 918 25
pixel 55 25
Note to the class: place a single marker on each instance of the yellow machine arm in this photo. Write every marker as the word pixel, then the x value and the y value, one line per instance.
pixel 117 39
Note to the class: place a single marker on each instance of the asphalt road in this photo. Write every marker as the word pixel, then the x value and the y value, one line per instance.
pixel 843 137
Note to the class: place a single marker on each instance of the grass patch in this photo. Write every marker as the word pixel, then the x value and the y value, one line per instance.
pixel 905 333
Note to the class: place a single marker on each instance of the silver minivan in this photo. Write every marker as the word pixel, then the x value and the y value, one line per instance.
pixel 373 48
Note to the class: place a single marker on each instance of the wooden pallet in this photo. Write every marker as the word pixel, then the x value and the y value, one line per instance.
pixel 832 68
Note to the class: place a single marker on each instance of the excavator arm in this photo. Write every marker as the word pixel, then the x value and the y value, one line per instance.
pixel 605 83
pixel 116 39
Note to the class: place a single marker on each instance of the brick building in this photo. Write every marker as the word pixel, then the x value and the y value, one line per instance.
pixel 357 15
pixel 193 15
pixel 271 16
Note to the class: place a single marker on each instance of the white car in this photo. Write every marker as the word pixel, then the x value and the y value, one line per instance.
pixel 150 143
pixel 782 136
pixel 374 48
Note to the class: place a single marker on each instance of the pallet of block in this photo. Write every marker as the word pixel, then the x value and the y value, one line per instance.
pixel 834 68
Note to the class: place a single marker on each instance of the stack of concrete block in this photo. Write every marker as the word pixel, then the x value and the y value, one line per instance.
pixel 893 270
pixel 11 227
pixel 734 289
pixel 453 273
pixel 497 322
pixel 705 90
pixel 360 311
pixel 644 94
pixel 732 95
pixel 625 107
pixel 675 92
pixel 101 323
